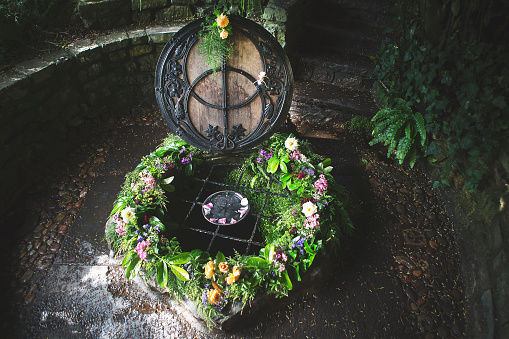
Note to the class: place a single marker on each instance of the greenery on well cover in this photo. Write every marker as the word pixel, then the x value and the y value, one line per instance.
pixel 308 224
pixel 448 61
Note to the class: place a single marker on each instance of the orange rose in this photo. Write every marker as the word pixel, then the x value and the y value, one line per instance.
pixel 223 34
pixel 222 20
pixel 234 276
pixel 223 267
pixel 209 270
pixel 214 297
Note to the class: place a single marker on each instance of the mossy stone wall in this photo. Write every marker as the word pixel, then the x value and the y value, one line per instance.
pixel 47 103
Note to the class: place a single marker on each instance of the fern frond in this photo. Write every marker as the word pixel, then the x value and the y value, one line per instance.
pixel 403 147
pixel 421 127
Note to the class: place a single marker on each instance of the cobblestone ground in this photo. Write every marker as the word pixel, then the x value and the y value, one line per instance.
pixel 397 277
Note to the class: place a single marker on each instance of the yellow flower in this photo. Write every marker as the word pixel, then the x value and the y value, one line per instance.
pixel 209 270
pixel 222 21
pixel 223 34
pixel 234 276
pixel 214 297
pixel 223 267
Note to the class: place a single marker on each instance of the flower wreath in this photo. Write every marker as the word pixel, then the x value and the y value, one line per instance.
pixel 308 224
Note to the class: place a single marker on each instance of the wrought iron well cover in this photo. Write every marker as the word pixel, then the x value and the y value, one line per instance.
pixel 224 111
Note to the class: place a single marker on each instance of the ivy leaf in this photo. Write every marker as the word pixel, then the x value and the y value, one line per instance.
pixel 168 188
pixel 499 102
pixel 220 258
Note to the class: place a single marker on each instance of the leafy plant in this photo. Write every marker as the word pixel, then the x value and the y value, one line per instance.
pixel 455 72
pixel 216 45
pixel 402 130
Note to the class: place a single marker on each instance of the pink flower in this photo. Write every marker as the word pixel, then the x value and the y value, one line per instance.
pixel 321 184
pixel 222 221
pixel 295 155
pixel 141 249
pixel 121 230
pixel 312 221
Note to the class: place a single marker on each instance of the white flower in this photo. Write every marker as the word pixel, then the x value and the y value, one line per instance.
pixel 303 158
pixel 291 144
pixel 244 202
pixel 308 208
pixel 128 215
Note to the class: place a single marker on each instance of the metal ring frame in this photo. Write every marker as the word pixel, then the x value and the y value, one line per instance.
pixel 173 89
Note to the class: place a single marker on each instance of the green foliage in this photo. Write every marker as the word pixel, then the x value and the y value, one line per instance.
pixel 297 230
pixel 402 130
pixel 456 75
pixel 24 21
pixel 360 123
pixel 214 49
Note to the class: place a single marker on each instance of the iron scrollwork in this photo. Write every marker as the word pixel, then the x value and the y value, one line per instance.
pixel 174 90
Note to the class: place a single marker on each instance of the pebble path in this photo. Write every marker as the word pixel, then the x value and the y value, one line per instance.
pixel 425 264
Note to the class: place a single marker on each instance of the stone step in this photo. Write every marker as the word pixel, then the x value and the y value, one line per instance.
pixel 323 105
pixel 345 36
pixel 341 69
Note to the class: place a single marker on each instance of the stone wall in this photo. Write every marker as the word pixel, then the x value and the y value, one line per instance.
pixel 481 222
pixel 46 103
pixel 106 14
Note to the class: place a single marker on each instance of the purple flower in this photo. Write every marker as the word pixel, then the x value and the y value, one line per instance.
pixel 185 161
pixel 140 238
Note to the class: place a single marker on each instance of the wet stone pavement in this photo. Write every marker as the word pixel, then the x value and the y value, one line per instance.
pixel 398 277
